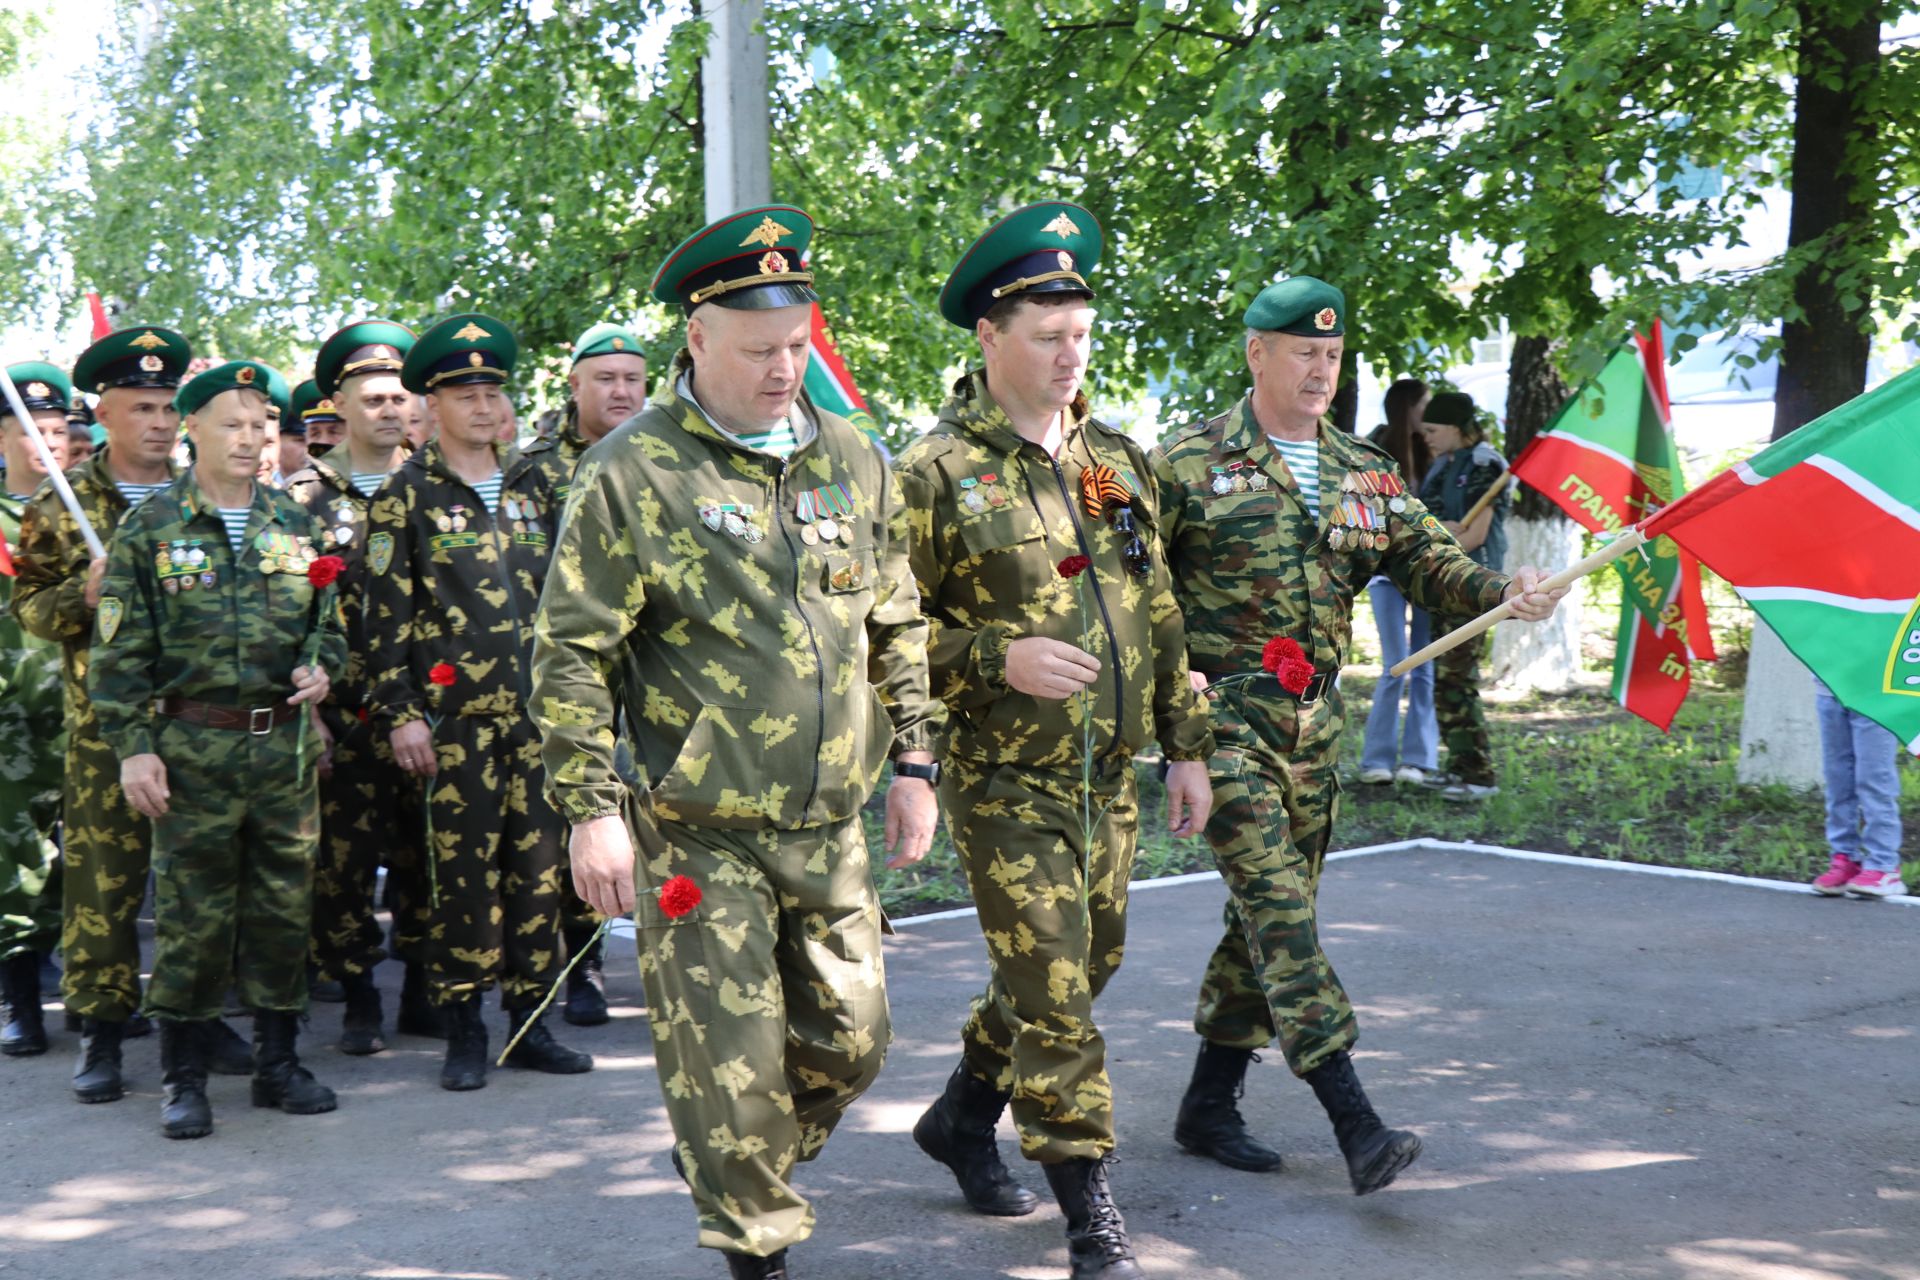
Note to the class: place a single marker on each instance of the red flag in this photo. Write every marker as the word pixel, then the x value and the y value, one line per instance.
pixel 6 556
pixel 101 325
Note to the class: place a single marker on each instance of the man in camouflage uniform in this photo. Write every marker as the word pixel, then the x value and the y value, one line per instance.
pixel 1052 685
pixel 210 646
pixel 456 553
pixel 105 842
pixel 733 577
pixel 1273 521
pixel 367 811
pixel 32 742
pixel 606 385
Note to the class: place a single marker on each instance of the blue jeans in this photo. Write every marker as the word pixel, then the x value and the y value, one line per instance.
pixel 1862 764
pixel 1420 746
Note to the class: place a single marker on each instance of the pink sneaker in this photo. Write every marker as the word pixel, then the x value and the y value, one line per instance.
pixel 1835 879
pixel 1876 884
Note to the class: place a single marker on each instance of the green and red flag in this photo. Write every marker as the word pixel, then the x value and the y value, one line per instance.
pixel 1608 460
pixel 1820 533
pixel 829 384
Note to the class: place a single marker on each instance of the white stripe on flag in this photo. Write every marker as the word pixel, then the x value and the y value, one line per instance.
pixel 1591 447
pixel 1748 476
pixel 1807 595
pixel 1867 489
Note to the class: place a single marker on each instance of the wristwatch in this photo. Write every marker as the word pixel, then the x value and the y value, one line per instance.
pixel 927 773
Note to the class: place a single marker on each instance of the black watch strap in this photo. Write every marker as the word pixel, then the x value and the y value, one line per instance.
pixel 928 773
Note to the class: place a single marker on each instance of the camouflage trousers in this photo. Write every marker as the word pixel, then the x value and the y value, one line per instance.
pixel 1274 796
pixel 105 849
pixel 232 872
pixel 1456 703
pixel 1053 907
pixel 496 863
pixel 768 1005
pixel 29 866
pixel 369 817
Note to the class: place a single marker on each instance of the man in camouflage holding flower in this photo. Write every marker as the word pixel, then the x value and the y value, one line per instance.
pixel 1057 647
pixel 1273 521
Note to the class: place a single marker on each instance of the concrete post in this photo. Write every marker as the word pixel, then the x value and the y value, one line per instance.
pixel 734 104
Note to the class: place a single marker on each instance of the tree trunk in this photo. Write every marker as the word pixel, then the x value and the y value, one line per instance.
pixel 1543 657
pixel 1824 344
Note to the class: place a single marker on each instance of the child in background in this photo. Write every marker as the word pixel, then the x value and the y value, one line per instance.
pixel 1862 764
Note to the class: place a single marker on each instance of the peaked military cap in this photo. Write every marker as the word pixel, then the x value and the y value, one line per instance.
pixel 749 261
pixel 310 406
pixel 1050 247
pixel 1302 306
pixel 365 346
pixel 41 386
pixel 234 375
pixel 143 357
pixel 606 340
pixel 461 349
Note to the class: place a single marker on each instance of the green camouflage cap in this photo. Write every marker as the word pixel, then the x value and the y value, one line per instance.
pixel 234 375
pixel 1302 306
pixel 753 260
pixel 365 346
pixel 41 386
pixel 459 350
pixel 143 357
pixel 606 340
pixel 1050 247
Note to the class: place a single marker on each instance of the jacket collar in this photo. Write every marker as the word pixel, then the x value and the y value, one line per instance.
pixel 433 461
pixel 94 472
pixel 974 410
pixel 693 420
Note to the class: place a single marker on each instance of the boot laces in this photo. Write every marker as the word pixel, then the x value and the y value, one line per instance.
pixel 1105 1227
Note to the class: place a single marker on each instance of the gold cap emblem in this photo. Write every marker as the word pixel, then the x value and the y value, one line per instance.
pixel 773 263
pixel 148 340
pixel 1325 319
pixel 1066 260
pixel 619 344
pixel 475 359
pixel 1062 226
pixel 244 375
pixel 325 406
pixel 39 390
pixel 152 364
pixel 471 333
pixel 768 233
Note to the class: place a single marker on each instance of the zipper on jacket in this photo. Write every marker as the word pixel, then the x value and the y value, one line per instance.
pixel 813 640
pixel 1086 549
pixel 513 602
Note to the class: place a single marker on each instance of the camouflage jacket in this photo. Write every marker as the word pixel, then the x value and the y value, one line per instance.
pixel 31 735
pixel 765 675
pixel 450 582
pixel 557 454
pixel 1253 563
pixel 342 510
pixel 50 595
pixel 182 615
pixel 993 517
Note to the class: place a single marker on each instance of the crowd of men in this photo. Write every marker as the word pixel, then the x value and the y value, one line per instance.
pixel 655 663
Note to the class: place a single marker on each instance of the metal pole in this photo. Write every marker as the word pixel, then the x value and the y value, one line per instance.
pixel 734 103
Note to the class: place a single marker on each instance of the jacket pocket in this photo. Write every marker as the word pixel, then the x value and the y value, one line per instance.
pixel 718 779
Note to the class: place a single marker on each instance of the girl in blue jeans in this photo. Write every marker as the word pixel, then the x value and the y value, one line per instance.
pixel 1402 628
pixel 1862 764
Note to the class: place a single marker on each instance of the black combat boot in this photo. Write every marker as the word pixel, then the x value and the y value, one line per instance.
pixel 539 1051
pixel 228 1054
pixel 957 1130
pixel 1375 1154
pixel 1097 1244
pixel 744 1266
pixel 278 1078
pixel 184 1110
pixel 466 1064
pixel 586 982
pixel 25 1034
pixel 360 1024
pixel 419 1015
pixel 1209 1123
pixel 97 1078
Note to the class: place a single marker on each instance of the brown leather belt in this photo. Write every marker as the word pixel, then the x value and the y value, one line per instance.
pixel 256 720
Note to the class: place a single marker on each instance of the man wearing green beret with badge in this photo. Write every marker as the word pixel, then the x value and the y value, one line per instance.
pixel 106 843
pixel 1273 521
pixel 368 814
pixel 32 741
pixel 733 579
pixel 1054 677
pixel 457 550
pixel 211 643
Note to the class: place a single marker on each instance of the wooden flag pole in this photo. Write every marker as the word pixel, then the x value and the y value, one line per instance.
pixel 1494 490
pixel 1631 540
pixel 59 480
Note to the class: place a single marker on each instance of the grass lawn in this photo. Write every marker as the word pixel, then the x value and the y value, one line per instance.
pixel 1577 775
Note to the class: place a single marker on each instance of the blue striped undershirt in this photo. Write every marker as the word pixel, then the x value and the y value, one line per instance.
pixel 1303 459
pixel 235 518
pixel 489 490
pixel 369 482
pixel 135 494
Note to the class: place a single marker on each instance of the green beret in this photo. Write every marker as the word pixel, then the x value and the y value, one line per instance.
pixel 1302 306
pixel 41 386
pixel 365 346
pixel 606 340
pixel 145 357
pixel 234 375
pixel 309 405
pixel 1450 409
pixel 753 260
pixel 460 350
pixel 1050 247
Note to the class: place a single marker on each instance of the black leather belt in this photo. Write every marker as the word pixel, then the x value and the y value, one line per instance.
pixel 254 720
pixel 1265 682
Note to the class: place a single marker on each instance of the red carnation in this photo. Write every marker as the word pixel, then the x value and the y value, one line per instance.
pixel 678 896
pixel 443 674
pixel 1284 659
pixel 1074 566
pixel 323 571
pixel 1278 650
